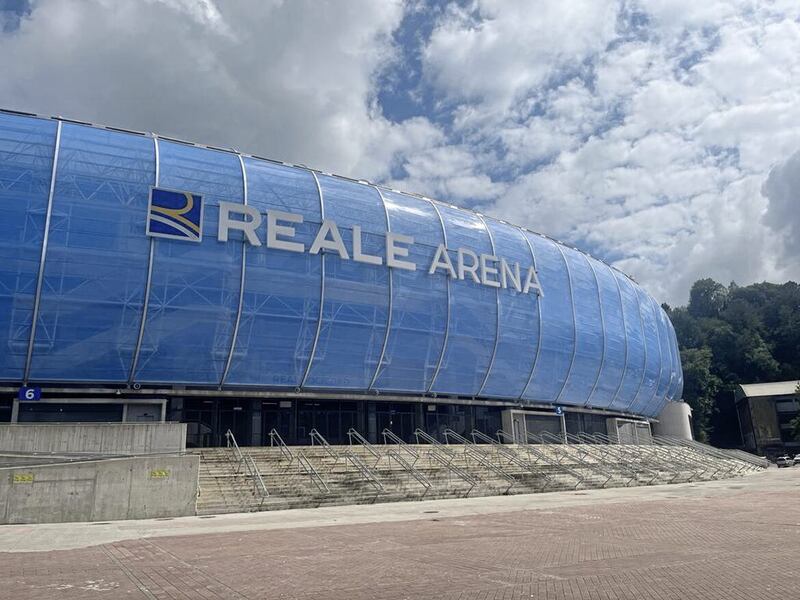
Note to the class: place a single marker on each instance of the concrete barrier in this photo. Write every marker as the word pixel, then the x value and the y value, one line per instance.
pixel 100 490
pixel 96 438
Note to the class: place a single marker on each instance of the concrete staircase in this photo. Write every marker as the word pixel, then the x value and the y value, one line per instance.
pixel 311 476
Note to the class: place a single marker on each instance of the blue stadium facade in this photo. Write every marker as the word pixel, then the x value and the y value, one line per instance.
pixel 90 303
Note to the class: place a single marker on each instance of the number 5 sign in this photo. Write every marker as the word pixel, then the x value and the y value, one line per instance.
pixel 29 394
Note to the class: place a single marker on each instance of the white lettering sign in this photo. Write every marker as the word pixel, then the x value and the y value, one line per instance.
pixel 485 269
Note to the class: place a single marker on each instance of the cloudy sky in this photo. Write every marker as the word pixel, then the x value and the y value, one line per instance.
pixel 660 135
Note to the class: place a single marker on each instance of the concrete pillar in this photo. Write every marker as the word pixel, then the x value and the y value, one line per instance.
pixel 15 411
pixel 675 420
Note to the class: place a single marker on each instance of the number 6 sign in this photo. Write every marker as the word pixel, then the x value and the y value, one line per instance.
pixel 29 394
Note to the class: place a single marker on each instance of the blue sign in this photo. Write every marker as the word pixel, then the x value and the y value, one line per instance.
pixel 29 394
pixel 175 215
pixel 559 410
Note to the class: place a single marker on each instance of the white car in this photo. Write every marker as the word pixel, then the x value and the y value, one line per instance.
pixel 796 459
pixel 784 461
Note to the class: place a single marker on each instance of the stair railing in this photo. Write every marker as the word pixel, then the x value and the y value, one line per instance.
pixel 509 454
pixel 436 452
pixel 306 466
pixel 678 462
pixel 275 439
pixel 410 469
pixel 610 462
pixel 478 456
pixel 246 461
pixel 317 437
pixel 352 434
pixel 638 464
pixel 594 467
pixel 388 434
pixel 532 449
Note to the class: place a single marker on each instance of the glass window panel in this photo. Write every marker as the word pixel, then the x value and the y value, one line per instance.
pixel 27 146
pixel 558 333
pixel 473 311
pixel 519 319
pixel 195 287
pixel 356 298
pixel 96 263
pixel 282 288
pixel 419 300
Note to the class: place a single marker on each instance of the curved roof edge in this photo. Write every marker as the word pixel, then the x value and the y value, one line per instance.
pixel 302 166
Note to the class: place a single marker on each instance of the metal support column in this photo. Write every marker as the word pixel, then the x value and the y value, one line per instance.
pixel 322 287
pixel 45 239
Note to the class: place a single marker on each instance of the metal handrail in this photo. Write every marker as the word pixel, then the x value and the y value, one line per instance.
pixel 316 478
pixel 318 437
pixel 636 462
pixel 246 461
pixel 531 448
pixel 679 461
pixel 352 433
pixel 367 473
pixel 274 435
pixel 471 451
pixel 410 469
pixel 445 457
pixel 603 458
pixel 510 454
pixel 563 440
pixel 388 433
pixel 449 433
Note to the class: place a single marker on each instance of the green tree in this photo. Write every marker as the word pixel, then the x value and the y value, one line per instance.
pixel 707 298
pixel 700 387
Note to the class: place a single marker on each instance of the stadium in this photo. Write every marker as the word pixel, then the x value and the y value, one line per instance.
pixel 146 278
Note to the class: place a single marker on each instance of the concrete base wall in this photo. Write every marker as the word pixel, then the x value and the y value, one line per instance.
pixel 101 438
pixel 101 490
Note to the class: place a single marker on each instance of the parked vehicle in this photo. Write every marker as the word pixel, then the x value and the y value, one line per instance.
pixel 796 459
pixel 784 461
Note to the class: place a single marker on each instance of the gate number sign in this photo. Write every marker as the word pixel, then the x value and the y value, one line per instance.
pixel 29 394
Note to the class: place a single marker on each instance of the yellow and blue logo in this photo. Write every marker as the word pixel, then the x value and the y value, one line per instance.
pixel 175 215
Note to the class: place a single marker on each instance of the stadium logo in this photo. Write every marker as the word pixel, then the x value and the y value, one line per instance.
pixel 175 215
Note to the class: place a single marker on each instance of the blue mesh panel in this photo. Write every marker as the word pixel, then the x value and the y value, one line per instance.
pixel 588 331
pixel 419 300
pixel 519 319
pixel 615 342
pixel 282 289
pixel 558 333
pixel 356 301
pixel 666 361
pixel 634 363
pixel 673 357
pixel 26 163
pixel 96 262
pixel 473 311
pixel 676 389
pixel 652 351
pixel 195 287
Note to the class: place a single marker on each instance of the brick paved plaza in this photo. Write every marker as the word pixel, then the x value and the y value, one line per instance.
pixel 736 539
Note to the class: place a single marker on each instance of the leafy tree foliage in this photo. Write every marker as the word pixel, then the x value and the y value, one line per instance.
pixel 731 335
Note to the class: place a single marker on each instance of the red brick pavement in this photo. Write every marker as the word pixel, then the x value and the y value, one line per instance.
pixel 745 546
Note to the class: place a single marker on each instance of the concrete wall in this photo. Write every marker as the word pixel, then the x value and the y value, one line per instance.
pixel 100 490
pixel 675 421
pixel 104 438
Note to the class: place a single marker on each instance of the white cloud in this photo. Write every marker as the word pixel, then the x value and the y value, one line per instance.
pixel 290 80
pixel 642 130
